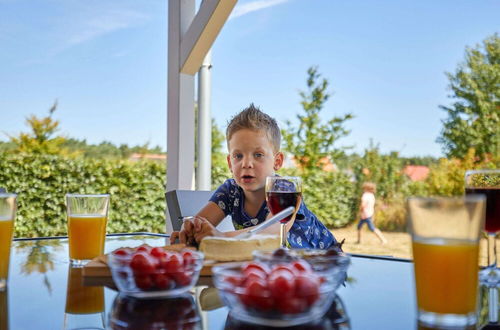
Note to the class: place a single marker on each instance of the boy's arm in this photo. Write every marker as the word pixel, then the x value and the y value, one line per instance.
pixel 212 213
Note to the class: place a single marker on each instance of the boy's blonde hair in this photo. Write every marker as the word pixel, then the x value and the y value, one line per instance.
pixel 369 186
pixel 254 119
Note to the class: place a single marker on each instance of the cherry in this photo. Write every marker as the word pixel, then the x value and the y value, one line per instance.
pixel 158 252
pixel 307 287
pixel 142 263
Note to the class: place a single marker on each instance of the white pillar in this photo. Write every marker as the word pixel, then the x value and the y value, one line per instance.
pixel 180 103
pixel 204 152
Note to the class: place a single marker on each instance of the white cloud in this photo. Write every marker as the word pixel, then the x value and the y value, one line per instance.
pixel 104 24
pixel 250 7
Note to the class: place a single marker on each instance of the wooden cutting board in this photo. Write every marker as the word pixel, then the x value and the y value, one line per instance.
pixel 98 269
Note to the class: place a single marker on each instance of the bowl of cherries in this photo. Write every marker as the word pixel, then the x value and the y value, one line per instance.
pixel 154 272
pixel 279 293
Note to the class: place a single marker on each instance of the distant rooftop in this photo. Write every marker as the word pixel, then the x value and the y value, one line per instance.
pixel 137 156
pixel 416 172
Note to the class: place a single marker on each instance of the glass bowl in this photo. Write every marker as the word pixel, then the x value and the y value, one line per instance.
pixel 335 262
pixel 154 272
pixel 287 294
pixel 172 313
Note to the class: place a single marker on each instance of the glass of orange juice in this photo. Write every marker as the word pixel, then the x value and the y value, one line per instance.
pixel 8 209
pixel 445 235
pixel 87 219
pixel 84 304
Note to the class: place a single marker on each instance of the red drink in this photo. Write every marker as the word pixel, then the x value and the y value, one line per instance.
pixel 492 220
pixel 278 201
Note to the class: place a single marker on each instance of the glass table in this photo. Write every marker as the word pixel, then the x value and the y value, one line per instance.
pixel 43 290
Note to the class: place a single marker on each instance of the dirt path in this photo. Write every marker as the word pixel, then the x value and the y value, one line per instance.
pixel 398 244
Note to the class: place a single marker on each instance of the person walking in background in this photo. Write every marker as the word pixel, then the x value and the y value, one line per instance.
pixel 367 211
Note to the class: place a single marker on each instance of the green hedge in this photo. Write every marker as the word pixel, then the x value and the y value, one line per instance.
pixel 137 192
pixel 41 182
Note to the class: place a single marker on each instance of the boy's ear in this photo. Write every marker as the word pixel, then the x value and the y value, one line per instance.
pixel 278 160
pixel 228 158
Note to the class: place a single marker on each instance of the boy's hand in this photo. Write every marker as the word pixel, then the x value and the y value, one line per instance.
pixel 203 228
pixel 186 234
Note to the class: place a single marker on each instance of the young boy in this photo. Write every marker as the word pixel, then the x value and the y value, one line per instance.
pixel 367 211
pixel 253 140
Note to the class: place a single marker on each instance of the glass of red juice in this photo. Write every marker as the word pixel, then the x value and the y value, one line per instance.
pixel 487 183
pixel 283 192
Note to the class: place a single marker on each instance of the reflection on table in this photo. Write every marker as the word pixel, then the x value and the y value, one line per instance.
pixel 84 304
pixel 336 318
pixel 173 313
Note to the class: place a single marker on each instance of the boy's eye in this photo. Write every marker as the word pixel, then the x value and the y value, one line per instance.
pixel 258 155
pixel 237 156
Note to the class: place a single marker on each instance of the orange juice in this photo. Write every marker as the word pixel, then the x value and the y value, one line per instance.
pixel 86 235
pixel 6 227
pixel 446 275
pixel 82 299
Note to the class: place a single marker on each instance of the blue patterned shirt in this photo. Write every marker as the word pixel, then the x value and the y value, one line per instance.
pixel 307 231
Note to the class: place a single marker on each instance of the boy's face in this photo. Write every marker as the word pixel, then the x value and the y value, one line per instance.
pixel 252 158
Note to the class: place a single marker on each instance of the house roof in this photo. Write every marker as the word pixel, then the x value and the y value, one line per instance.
pixel 416 172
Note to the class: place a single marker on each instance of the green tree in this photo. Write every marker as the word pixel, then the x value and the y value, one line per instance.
pixel 473 118
pixel 42 139
pixel 314 140
pixel 220 170
pixel 446 178
pixel 383 170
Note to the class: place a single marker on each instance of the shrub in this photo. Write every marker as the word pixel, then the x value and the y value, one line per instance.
pixel 390 214
pixel 41 182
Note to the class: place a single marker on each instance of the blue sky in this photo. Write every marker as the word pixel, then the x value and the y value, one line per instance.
pixel 105 62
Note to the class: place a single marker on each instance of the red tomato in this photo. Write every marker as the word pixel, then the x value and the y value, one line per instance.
pixel 121 252
pixel 181 278
pixel 236 281
pixel 188 258
pixel 174 263
pixel 162 281
pixel 281 284
pixel 143 282
pixel 301 266
pixel 144 247
pixel 254 274
pixel 257 295
pixel 291 305
pixel 307 287
pixel 280 269
pixel 158 252
pixel 142 263
pixel 255 265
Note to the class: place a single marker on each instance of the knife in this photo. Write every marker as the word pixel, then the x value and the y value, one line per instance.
pixel 271 221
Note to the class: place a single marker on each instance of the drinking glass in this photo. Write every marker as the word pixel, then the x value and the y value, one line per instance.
pixel 87 219
pixel 445 235
pixel 283 192
pixel 84 304
pixel 487 183
pixel 7 214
